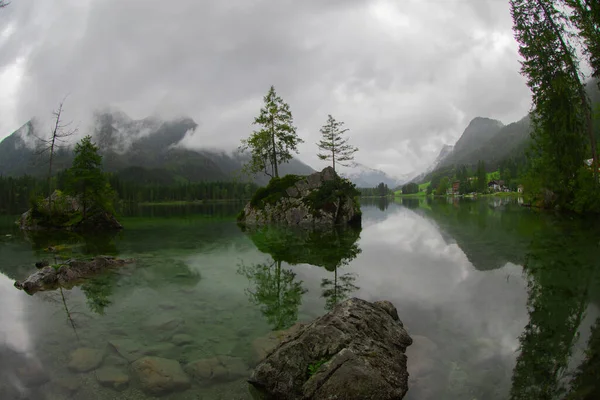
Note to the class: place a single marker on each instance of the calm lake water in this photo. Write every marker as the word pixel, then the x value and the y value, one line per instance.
pixel 502 302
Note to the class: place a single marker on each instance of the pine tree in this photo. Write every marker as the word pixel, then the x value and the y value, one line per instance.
pixel 86 180
pixel 333 146
pixel 273 143
pixel 561 113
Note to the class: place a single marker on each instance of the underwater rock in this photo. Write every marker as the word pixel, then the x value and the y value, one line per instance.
pixel 163 322
pixel 113 378
pixel 161 349
pixel 85 359
pixel 320 199
pixel 67 386
pixel 115 360
pixel 264 345
pixel 356 351
pixel 422 364
pixel 32 374
pixel 159 376
pixel 217 369
pixel 127 348
pixel 181 339
pixel 67 274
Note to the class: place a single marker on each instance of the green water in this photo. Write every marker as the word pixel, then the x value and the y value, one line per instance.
pixel 502 302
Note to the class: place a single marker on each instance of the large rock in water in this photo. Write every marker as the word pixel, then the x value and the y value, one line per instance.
pixel 356 351
pixel 320 199
pixel 67 214
pixel 67 274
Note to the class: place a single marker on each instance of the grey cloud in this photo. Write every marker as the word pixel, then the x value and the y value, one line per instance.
pixel 405 77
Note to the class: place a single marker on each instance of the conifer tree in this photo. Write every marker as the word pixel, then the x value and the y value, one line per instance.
pixel 272 144
pixel 333 145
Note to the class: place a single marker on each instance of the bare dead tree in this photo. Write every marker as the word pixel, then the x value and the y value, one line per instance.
pixel 60 131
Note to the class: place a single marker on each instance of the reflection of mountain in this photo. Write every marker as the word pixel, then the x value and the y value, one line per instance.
pixel 487 235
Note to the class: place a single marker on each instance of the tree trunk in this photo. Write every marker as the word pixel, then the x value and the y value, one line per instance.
pixel 275 169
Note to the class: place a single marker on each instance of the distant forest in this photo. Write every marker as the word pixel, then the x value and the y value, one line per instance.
pixel 16 194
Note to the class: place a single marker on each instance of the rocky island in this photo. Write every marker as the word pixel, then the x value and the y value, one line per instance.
pixel 319 199
pixel 67 274
pixel 356 351
pixel 63 212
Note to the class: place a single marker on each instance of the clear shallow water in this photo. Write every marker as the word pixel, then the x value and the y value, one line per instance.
pixel 501 302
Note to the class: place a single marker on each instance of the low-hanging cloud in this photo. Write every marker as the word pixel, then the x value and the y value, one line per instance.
pixel 406 77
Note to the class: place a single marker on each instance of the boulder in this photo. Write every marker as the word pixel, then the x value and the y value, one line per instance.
pixel 159 376
pixel 320 199
pixel 356 351
pixel 85 359
pixel 67 274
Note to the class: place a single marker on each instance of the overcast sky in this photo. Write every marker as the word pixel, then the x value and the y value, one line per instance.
pixel 405 76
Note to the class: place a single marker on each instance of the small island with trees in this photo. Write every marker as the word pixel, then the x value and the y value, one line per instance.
pixel 320 199
pixel 85 204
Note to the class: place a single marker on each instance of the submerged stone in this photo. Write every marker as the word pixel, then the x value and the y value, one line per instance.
pixel 356 351
pixel 163 322
pixel 127 348
pixel 181 339
pixel 85 359
pixel 32 374
pixel 112 377
pixel 217 369
pixel 159 376
pixel 68 385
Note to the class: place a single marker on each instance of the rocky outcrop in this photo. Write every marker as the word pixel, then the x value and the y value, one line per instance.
pixel 66 212
pixel 320 199
pixel 356 351
pixel 67 274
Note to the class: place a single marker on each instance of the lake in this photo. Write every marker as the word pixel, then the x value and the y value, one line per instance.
pixel 501 301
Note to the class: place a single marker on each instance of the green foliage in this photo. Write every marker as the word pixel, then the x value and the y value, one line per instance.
pixel 562 124
pixel 330 192
pixel 86 181
pixel 442 187
pixel 333 146
pixel 276 291
pixel 410 188
pixel 314 367
pixel 273 143
pixel 274 191
pixel 482 181
pixel 381 190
